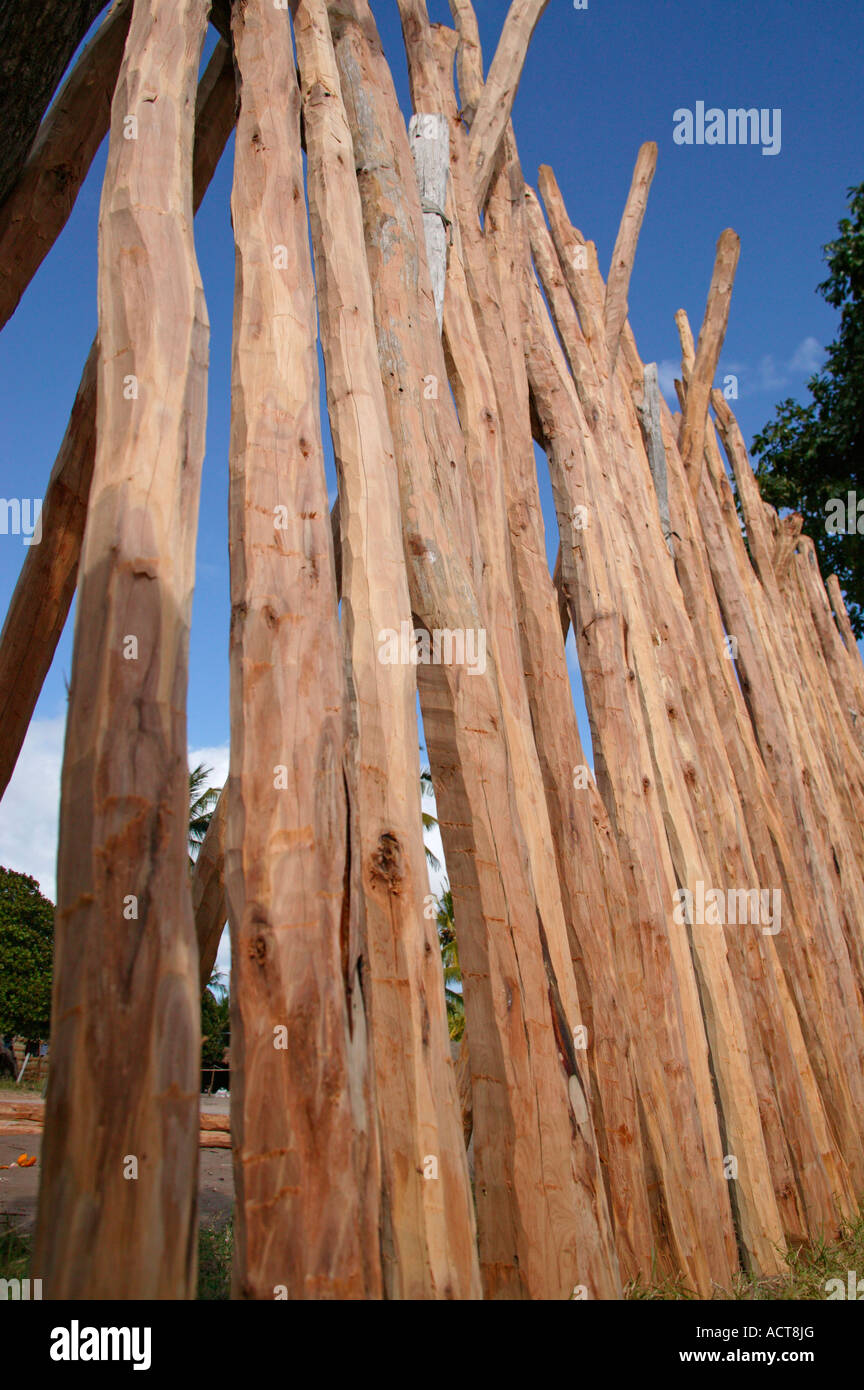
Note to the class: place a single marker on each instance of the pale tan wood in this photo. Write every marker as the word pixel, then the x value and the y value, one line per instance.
pixel 469 57
pixel 574 257
pixel 708 348
pixel 538 1236
pixel 496 100
pixel 676 1090
pixel 830 1012
pixel 305 1164
pixel 624 251
pixel 125 1037
pixel 591 880
pixel 43 594
pixel 430 1221
pixel 756 1010
pixel 38 206
pixel 841 614
pixel 474 377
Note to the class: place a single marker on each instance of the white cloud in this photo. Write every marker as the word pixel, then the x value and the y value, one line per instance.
pixel 215 758
pixel 807 357
pixel 30 809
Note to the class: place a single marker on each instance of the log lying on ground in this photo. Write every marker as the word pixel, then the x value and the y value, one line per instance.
pixel 429 1249
pixel 510 1001
pixel 305 1162
pixel 37 208
pixel 40 604
pixel 124 1069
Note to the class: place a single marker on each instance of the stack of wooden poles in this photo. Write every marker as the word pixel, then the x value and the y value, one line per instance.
pixel 647 1093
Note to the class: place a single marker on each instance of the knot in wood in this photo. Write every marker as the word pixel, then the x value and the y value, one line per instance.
pixel 387 862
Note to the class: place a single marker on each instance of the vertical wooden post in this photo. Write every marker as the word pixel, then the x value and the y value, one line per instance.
pixel 428 1220
pixel 306 1208
pixel 120 1162
pixel 649 419
pixel 429 137
pixel 43 595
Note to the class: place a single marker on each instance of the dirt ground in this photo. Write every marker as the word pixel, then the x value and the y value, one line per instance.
pixel 19 1187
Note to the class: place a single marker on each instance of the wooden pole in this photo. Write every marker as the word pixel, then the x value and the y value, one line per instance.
pixel 523 1252
pixel 305 1169
pixel 708 349
pixel 36 47
pixel 38 206
pixel 624 252
pixel 118 1196
pixel 496 101
pixel 429 1245
pixel 43 595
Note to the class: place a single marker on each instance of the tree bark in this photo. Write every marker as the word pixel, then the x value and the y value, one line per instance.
pixel 38 207
pixel 36 46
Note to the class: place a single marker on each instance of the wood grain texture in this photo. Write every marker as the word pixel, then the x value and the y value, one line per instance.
pixel 124 1072
pixel 624 251
pixel 429 1244
pixel 525 1250
pixel 708 348
pixel 43 594
pixel 499 92
pixel 305 1156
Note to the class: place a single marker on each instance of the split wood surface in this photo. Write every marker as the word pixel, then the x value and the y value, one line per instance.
pixel 643 1087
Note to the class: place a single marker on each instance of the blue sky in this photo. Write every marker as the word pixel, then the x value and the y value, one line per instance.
pixel 597 83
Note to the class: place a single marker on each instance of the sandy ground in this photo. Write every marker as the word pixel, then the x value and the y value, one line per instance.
pixel 19 1186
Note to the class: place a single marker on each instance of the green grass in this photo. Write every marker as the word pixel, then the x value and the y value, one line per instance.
pixel 807 1271
pixel 24 1091
pixel 214 1259
pixel 214 1262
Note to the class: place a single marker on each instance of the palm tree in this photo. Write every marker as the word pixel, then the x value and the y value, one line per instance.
pixel 429 821
pixel 202 800
pixel 450 962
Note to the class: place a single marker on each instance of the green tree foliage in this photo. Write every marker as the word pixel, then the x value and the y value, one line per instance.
pixel 26 953
pixel 450 964
pixel 215 1022
pixel 202 800
pixel 812 453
